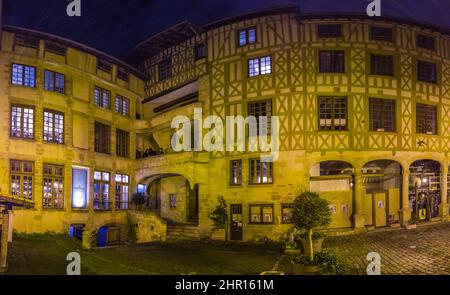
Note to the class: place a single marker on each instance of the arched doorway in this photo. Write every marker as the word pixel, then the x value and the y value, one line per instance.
pixel 382 182
pixel 171 197
pixel 424 190
pixel 334 182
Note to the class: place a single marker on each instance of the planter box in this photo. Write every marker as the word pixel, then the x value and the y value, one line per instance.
pixel 218 235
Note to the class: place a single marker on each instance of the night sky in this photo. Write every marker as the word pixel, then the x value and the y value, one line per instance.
pixel 115 26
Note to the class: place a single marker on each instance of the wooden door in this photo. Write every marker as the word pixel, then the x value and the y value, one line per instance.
pixel 236 225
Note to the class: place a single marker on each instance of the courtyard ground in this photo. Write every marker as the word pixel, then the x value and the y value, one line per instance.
pixel 425 250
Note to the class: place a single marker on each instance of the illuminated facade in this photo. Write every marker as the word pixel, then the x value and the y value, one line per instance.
pixel 364 109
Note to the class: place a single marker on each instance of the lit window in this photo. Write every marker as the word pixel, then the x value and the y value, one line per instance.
pixel 122 191
pixel 122 105
pixel 54 82
pixel 22 174
pixel 53 187
pixel 102 98
pixel 259 66
pixel 247 36
pixel 22 122
pixel 101 190
pixel 23 75
pixel 261 172
pixel 53 127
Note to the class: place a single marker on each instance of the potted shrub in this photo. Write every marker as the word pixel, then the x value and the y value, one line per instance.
pixel 310 212
pixel 325 263
pixel 219 217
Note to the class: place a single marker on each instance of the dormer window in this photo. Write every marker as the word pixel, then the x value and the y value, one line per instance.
pixel 123 75
pixel 330 31
pixel 55 48
pixel 26 41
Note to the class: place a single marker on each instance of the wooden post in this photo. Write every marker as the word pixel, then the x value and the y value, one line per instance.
pixel 4 240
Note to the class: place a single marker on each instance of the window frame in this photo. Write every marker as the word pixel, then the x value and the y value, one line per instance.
pixel 101 101
pixel 54 82
pixel 382 114
pixel 381 38
pixel 236 173
pixel 104 65
pixel 259 104
pixel 121 192
pixel 261 214
pixel 333 113
pixel 334 56
pixel 53 112
pixel 23 75
pixel 259 60
pixel 53 177
pixel 120 100
pixel 105 142
pixel 259 167
pixel 123 74
pixel 165 67
pixel 283 207
pixel 101 199
pixel 196 51
pixel 55 48
pixel 247 34
pixel 427 107
pixel 427 63
pixel 382 58
pixel 22 120
pixel 26 41
pixel 325 35
pixel 122 149
pixel 22 174
pixel 422 40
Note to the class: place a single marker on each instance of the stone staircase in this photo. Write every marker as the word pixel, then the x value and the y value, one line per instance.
pixel 182 232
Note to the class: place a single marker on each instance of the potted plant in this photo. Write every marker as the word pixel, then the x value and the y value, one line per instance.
pixel 139 199
pixel 310 212
pixel 219 217
pixel 317 241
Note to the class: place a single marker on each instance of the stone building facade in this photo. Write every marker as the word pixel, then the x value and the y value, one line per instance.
pixel 363 106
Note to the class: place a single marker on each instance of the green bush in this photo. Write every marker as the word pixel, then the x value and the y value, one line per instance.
pixel 329 263
pixel 219 215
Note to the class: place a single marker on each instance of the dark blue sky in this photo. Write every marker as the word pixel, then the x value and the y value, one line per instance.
pixel 115 26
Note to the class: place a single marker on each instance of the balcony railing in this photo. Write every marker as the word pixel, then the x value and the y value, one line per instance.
pixel 102 205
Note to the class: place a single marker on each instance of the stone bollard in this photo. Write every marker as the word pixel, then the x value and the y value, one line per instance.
pixel 86 240
pixel 4 241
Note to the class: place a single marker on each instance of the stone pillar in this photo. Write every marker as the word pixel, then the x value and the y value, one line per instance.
pixel 444 207
pixel 405 211
pixel 4 240
pixel 86 240
pixel 359 219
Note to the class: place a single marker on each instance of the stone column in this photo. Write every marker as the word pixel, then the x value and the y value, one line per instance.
pixel 4 240
pixel 359 219
pixel 405 211
pixel 444 207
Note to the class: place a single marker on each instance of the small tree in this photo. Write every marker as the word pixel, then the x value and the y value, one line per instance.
pixel 309 212
pixel 219 215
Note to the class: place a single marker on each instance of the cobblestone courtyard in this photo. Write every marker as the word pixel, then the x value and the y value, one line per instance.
pixel 425 250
